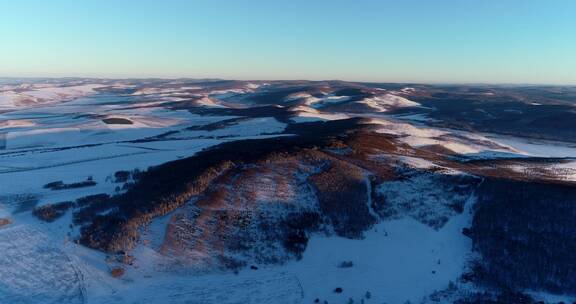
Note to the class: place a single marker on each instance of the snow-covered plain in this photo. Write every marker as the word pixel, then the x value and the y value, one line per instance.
pixel 398 261
pixel 34 270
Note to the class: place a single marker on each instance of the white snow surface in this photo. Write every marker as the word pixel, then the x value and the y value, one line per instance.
pixel 398 261
pixel 460 142
pixel 309 114
pixel 386 102
pixel 34 270
pixel 42 94
pixel 535 147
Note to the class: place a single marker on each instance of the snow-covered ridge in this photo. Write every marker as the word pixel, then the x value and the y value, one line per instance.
pixel 386 102
pixel 167 91
pixel 42 94
pixel 309 114
pixel 457 141
pixel 379 102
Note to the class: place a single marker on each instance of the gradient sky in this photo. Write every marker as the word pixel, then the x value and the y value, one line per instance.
pixel 488 41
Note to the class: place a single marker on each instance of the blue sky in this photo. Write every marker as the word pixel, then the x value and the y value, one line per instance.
pixel 488 41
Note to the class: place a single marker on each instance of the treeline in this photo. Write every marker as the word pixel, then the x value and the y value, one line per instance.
pixel 60 185
pixel 88 207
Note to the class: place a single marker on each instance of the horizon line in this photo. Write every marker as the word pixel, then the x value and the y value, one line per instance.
pixel 481 83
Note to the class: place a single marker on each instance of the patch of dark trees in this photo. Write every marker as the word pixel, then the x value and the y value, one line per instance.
pixel 342 194
pixel 87 206
pixel 509 112
pixel 117 121
pixel 52 212
pixel 124 176
pixel 60 185
pixel 282 114
pixel 277 95
pixel 121 176
pixel 90 205
pixel 526 236
pixel 218 125
pixel 354 94
pixel 296 229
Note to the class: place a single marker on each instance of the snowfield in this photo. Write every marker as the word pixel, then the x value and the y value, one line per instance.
pixel 34 270
pixel 460 142
pixel 398 261
pixel 40 95
pixel 388 101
